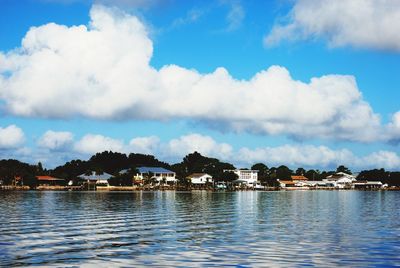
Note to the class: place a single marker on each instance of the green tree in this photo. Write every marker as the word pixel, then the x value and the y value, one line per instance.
pixel 263 172
pixel 227 176
pixel 344 169
pixel 283 173
pixel 300 171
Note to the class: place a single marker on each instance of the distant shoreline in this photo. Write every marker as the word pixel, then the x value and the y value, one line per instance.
pixel 177 189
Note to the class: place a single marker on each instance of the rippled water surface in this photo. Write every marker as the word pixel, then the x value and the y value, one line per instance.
pixel 254 229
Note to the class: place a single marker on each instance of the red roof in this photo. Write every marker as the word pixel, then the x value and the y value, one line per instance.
pixel 299 178
pixel 47 178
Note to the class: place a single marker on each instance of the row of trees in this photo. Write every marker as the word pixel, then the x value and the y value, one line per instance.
pixel 113 163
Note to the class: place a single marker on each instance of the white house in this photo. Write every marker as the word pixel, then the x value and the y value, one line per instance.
pixel 245 176
pixel 98 179
pixel 200 178
pixel 340 180
pixel 157 173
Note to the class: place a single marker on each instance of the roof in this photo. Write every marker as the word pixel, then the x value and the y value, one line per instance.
pixel 368 183
pixel 124 171
pixel 94 177
pixel 299 178
pixel 197 175
pixel 47 178
pixel 287 182
pixel 154 170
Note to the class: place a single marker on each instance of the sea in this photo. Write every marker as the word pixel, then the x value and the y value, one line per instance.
pixel 200 229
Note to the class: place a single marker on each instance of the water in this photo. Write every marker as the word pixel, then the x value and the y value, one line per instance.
pixel 245 229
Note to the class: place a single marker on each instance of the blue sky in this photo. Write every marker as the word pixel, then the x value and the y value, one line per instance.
pixel 170 77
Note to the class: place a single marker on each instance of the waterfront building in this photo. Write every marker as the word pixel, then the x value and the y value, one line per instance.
pixel 157 174
pixel 368 185
pixel 200 178
pixel 245 176
pixel 97 179
pixel 49 181
pixel 286 183
pixel 340 180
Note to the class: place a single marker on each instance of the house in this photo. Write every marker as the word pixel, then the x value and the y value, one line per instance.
pixel 200 178
pixel 97 179
pixel 316 184
pixel 157 174
pixel 297 178
pixel 49 181
pixel 368 185
pixel 286 183
pixel 245 176
pixel 340 180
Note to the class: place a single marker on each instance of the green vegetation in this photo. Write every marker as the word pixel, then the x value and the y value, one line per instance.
pixel 113 163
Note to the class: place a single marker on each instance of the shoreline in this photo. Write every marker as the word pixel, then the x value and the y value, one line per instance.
pixel 177 189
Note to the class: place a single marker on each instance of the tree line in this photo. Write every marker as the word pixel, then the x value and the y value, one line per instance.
pixel 113 163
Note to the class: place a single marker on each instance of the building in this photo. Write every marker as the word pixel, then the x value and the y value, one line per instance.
pixel 245 176
pixel 286 183
pixel 368 185
pixel 157 174
pixel 97 179
pixel 200 178
pixel 340 180
pixel 49 181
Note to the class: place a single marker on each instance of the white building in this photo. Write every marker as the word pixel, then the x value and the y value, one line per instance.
pixel 200 178
pixel 98 179
pixel 340 180
pixel 245 176
pixel 158 174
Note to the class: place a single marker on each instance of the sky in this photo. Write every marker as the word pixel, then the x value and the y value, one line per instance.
pixel 303 83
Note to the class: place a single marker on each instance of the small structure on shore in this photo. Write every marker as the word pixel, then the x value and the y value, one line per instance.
pixel 93 180
pixel 156 174
pixel 49 181
pixel 246 177
pixel 200 178
pixel 368 185
pixel 340 180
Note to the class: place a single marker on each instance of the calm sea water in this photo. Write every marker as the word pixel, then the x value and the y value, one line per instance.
pixel 245 229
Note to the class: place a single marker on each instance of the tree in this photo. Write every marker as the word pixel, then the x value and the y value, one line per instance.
pixel 283 173
pixel 227 176
pixel 300 171
pixel 312 175
pixel 263 172
pixel 343 169
pixel 196 163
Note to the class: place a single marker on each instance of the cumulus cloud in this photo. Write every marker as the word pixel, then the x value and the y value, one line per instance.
pixel 195 142
pixel 56 148
pixel 393 128
pixel 55 140
pixel 359 23
pixel 144 145
pixel 106 74
pixel 91 144
pixel 11 137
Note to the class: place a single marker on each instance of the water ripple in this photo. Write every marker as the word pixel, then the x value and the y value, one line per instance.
pixel 163 229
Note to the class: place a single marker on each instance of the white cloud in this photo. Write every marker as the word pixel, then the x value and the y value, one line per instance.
pixel 106 74
pixel 393 129
pixel 11 137
pixel 195 142
pixel 386 159
pixel 235 15
pixel 192 16
pixel 55 140
pixel 292 155
pixel 91 144
pixel 144 145
pixel 359 23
